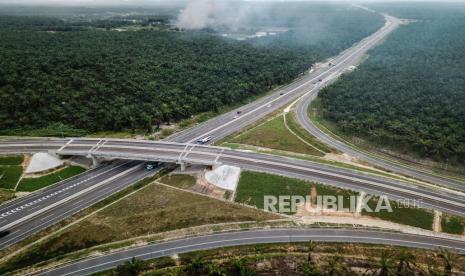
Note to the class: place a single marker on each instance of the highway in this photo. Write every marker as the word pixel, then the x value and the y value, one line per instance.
pixel 218 127
pixel 304 120
pixel 27 215
pixel 231 122
pixel 111 260
pixel 170 152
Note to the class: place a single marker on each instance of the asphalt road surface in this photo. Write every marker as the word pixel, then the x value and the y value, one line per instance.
pixel 304 120
pixel 105 262
pixel 218 128
pixel 27 215
pixel 170 152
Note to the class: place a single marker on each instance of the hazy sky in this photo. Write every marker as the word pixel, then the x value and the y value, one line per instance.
pixel 141 2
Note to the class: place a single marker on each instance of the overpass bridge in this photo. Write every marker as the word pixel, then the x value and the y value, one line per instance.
pixel 184 153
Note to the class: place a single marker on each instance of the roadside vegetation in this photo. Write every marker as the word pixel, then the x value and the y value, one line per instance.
pixel 10 171
pixel 408 95
pixel 453 224
pixel 182 181
pixel 153 209
pixel 6 195
pixel 311 258
pixel 403 214
pixel 35 183
pixel 253 186
pixel 274 134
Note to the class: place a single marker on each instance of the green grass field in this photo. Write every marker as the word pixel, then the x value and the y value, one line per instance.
pixel 416 217
pixel 9 176
pixel 253 186
pixel 273 134
pixel 302 133
pixel 181 181
pixel 14 160
pixel 32 184
pixel 453 224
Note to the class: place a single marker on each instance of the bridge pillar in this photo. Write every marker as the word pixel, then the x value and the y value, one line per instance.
pixel 183 166
pixel 95 161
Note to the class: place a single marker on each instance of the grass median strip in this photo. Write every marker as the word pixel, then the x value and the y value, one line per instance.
pixel 14 160
pixel 274 134
pixel 9 176
pixel 253 186
pixel 453 224
pixel 32 184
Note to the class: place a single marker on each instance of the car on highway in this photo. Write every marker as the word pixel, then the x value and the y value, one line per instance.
pixel 204 140
pixel 151 166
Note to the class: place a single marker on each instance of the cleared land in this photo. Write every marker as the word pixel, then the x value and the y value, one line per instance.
pixel 6 195
pixel 32 184
pixel 181 181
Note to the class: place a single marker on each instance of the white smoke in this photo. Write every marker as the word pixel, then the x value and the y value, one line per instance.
pixel 200 14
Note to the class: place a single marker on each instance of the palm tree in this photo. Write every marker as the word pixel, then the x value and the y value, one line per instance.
pixel 214 270
pixel 309 269
pixel 449 259
pixel 336 266
pixel 405 260
pixel 238 268
pixel 311 248
pixel 132 267
pixel 384 265
pixel 196 268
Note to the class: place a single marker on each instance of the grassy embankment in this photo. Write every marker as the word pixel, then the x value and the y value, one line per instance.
pixel 273 137
pixel 181 181
pixel 273 134
pixel 10 171
pixel 254 186
pixel 153 209
pixel 32 184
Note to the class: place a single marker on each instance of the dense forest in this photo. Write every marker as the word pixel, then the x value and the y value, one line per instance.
pixel 85 75
pixel 410 93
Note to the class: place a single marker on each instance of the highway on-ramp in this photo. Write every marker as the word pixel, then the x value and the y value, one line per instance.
pixel 168 248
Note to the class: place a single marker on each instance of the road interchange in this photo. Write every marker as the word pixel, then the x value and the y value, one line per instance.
pixel 182 149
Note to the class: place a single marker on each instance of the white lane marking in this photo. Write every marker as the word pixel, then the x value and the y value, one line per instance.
pixel 290 237
pixel 68 198
pixel 375 38
pixel 282 164
pixel 64 146
pixel 31 203
pixel 218 157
